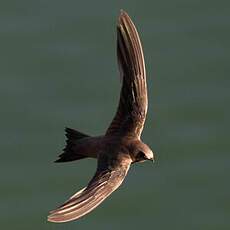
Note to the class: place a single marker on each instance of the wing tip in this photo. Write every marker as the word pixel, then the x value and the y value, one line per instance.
pixel 123 13
pixel 57 216
pixel 122 17
pixel 55 219
pixel 50 218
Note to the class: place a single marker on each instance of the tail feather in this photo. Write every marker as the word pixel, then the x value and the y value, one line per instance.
pixel 74 134
pixel 68 152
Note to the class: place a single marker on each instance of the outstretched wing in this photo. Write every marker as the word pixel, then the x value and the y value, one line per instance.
pixel 132 109
pixel 108 178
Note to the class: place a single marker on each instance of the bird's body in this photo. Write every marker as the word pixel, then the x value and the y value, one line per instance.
pixel 92 147
pixel 121 145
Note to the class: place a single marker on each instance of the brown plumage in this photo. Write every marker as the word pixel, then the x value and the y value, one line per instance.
pixel 121 145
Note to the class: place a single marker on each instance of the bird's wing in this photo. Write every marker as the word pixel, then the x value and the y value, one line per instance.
pixel 132 109
pixel 108 177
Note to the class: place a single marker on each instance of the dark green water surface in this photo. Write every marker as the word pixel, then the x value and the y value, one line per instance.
pixel 58 68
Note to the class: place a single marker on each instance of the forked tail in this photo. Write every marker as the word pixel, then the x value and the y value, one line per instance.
pixel 68 152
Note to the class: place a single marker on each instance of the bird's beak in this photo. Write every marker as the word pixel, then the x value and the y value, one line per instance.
pixel 151 159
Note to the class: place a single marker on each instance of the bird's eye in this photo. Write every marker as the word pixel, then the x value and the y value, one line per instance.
pixel 141 155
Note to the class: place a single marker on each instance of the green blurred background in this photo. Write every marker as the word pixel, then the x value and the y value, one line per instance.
pixel 58 68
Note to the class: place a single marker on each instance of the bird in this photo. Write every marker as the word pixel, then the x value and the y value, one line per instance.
pixel 121 145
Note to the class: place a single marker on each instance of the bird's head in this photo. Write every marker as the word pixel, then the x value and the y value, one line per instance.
pixel 142 152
